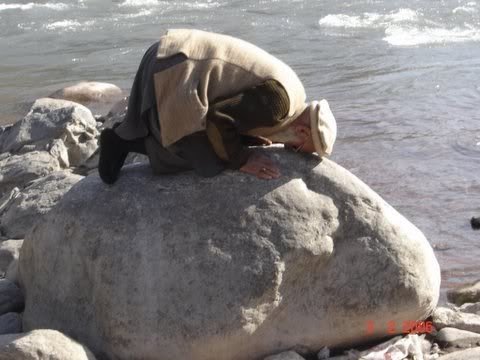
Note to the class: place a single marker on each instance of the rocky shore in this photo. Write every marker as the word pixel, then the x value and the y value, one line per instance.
pixel 314 265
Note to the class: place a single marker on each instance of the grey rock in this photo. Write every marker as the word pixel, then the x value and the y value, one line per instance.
pixel 445 317
pixel 10 323
pixel 116 114
pixel 288 355
pixel 473 308
pixel 12 272
pixel 11 297
pixel 42 345
pixel 29 206
pixel 18 170
pixel 230 265
pixel 324 353
pixel 51 119
pixel 456 337
pixel 59 151
pixel 9 250
pixel 7 197
pixel 469 354
pixel 465 294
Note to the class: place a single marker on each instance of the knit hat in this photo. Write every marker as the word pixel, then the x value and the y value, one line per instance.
pixel 323 126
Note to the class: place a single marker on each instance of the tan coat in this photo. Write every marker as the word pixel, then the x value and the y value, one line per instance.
pixel 218 66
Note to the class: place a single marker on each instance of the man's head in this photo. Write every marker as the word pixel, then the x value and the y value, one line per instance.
pixel 314 130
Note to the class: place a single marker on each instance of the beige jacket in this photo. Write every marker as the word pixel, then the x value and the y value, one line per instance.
pixel 218 66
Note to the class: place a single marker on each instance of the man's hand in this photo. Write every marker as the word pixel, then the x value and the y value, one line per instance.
pixel 261 166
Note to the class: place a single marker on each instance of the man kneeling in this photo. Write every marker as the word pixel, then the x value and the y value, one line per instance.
pixel 198 101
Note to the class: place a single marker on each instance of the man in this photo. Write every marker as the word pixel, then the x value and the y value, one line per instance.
pixel 200 98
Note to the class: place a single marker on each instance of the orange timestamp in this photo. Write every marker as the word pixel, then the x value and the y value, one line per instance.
pixel 406 327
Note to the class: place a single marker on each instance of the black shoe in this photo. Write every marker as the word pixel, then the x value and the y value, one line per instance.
pixel 113 152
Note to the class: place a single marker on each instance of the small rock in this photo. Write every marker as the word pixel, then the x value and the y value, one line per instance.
pixel 475 222
pixel 11 297
pixel 444 317
pixel 86 92
pixel 469 354
pixel 41 345
pixel 324 353
pixel 116 114
pixel 9 250
pixel 18 170
pixel 51 119
pixel 288 355
pixel 473 308
pixel 465 294
pixel 28 207
pixel 10 323
pixel 456 337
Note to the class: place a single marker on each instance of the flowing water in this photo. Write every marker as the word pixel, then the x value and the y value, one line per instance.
pixel 402 78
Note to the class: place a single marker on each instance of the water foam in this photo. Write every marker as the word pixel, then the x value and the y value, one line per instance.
pixel 68 25
pixel 369 20
pixel 180 5
pixel 29 6
pixel 407 27
pixel 134 3
pixel 399 36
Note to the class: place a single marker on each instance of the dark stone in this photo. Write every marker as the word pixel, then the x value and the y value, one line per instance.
pixel 475 222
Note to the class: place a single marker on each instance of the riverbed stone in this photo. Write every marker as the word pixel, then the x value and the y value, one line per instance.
pixel 11 297
pixel 455 337
pixel 50 119
pixel 32 203
pixel 287 355
pixel 468 354
pixel 182 267
pixel 85 92
pixel 42 345
pixel 444 317
pixel 465 294
pixel 473 308
pixel 10 323
pixel 9 250
pixel 18 170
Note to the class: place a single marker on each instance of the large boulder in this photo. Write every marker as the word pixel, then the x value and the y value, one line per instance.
pixel 51 119
pixel 28 206
pixel 180 266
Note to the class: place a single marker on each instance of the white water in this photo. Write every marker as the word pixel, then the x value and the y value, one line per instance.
pixel 411 27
